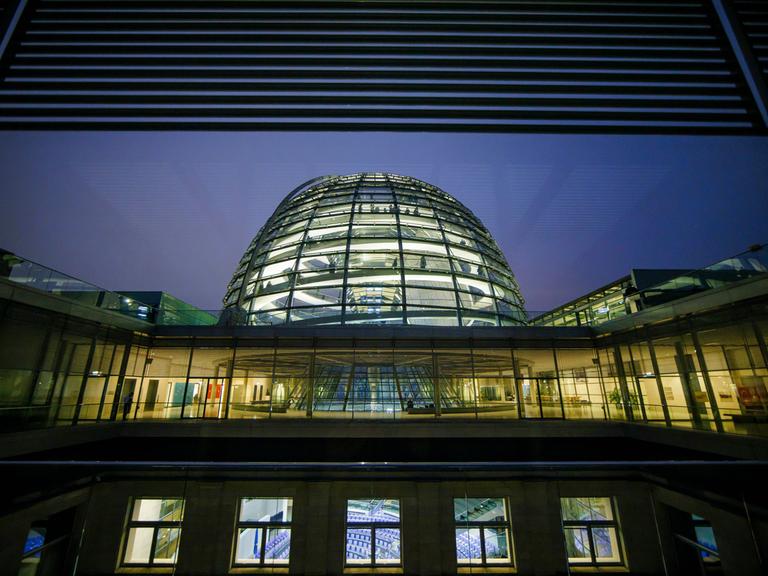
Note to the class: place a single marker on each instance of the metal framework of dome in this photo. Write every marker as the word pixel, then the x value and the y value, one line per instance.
pixel 374 248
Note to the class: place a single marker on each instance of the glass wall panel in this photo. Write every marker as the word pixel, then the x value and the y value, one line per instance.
pixel 428 297
pixel 682 381
pixel 538 383
pixel 425 316
pixel 204 394
pixel 634 399
pixel 581 383
pixel 646 381
pixel 290 383
pixel 332 384
pixel 458 387
pixel 16 387
pixel 414 371
pixel 426 262
pixel 611 384
pixel 162 390
pixel 110 396
pixel 496 388
pixel 251 391
pixel 67 400
pixel 21 343
pixel 91 401
pixel 729 354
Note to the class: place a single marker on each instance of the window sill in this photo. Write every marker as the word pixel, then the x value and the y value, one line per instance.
pixel 259 570
pixel 475 569
pixel 145 570
pixel 373 570
pixel 598 569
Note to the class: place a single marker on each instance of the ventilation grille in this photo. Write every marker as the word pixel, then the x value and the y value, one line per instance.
pixel 548 66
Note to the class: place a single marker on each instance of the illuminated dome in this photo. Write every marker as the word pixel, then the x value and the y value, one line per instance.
pixel 374 248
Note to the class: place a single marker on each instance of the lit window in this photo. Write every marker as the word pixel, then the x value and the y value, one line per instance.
pixel 705 538
pixel 373 532
pixel 263 531
pixel 482 531
pixel 33 548
pixel 153 531
pixel 591 531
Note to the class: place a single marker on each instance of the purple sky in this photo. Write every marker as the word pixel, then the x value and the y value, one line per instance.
pixel 174 211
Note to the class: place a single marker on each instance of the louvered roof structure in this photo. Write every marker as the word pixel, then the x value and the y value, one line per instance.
pixel 626 66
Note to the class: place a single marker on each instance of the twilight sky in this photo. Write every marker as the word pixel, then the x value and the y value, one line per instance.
pixel 174 211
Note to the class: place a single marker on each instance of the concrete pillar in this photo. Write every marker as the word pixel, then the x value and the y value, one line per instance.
pixel 324 540
pixel 536 529
pixel 207 530
pixel 431 530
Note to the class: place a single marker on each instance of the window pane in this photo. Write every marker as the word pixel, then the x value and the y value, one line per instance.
pixel 166 546
pixel 139 546
pixel 600 509
pixel 606 544
pixel 706 537
pixel 479 509
pixel 266 509
pixel 468 550
pixel 388 546
pixel 36 539
pixel 586 508
pixel 358 545
pixel 497 545
pixel 277 548
pixel 248 546
pixel 373 510
pixel 158 509
pixel 577 545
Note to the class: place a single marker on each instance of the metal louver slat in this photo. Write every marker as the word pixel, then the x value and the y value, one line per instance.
pixel 507 66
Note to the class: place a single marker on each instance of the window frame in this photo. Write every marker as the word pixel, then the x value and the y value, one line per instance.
pixel 373 526
pixel 264 527
pixel 156 525
pixel 589 525
pixel 481 525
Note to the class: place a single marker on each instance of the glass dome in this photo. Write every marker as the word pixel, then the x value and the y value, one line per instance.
pixel 374 248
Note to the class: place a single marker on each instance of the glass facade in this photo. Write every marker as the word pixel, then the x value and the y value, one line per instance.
pixel 373 248
pixel 708 372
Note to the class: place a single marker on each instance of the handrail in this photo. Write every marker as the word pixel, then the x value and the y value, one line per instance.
pixel 748 263
pixel 633 465
pixel 25 272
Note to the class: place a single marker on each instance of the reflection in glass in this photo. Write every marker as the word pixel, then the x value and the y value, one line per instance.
pixel 153 531
pixel 482 531
pixel 591 530
pixel 263 531
pixel 373 532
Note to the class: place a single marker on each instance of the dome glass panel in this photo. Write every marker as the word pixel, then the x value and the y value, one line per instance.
pixel 374 248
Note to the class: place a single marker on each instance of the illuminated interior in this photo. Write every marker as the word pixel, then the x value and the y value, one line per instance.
pixel 374 248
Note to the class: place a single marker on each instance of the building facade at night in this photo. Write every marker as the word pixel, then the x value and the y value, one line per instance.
pixel 373 398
